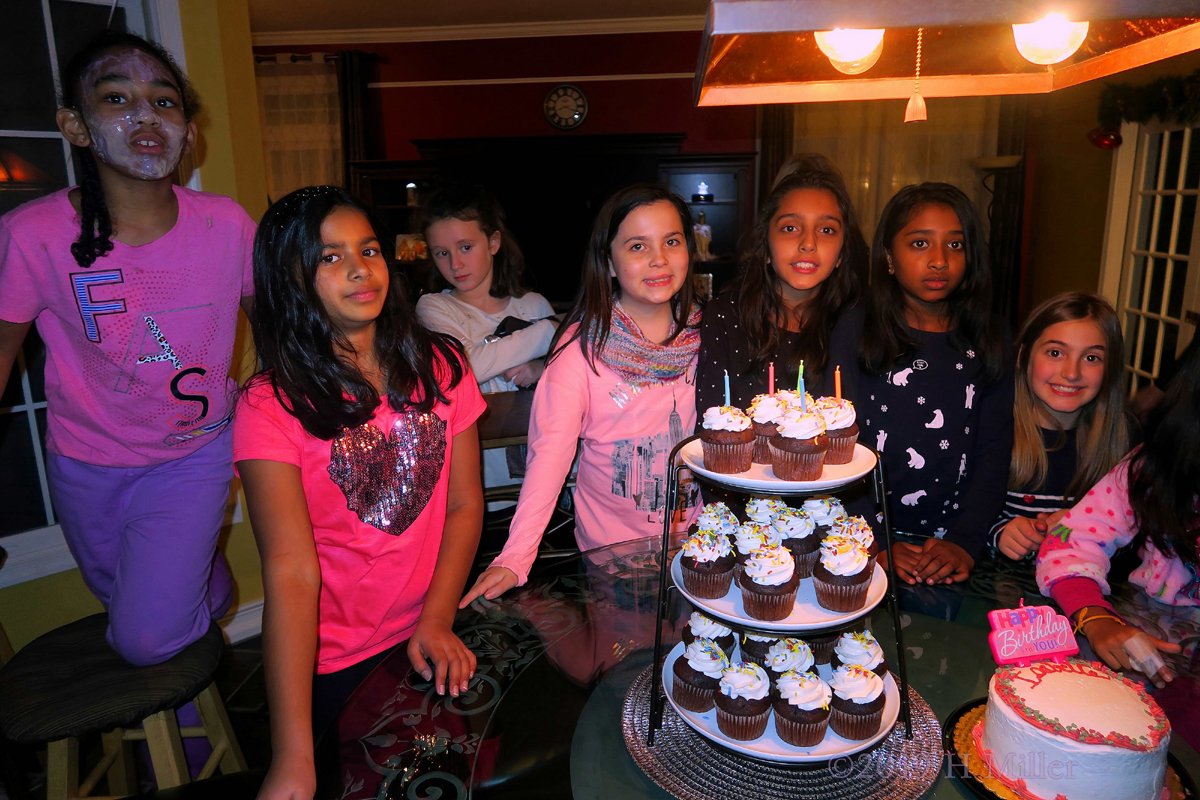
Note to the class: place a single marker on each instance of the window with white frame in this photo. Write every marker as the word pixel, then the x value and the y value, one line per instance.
pixel 40 37
pixel 1157 296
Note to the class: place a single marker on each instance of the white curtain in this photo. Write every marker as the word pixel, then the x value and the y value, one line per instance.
pixel 879 153
pixel 302 135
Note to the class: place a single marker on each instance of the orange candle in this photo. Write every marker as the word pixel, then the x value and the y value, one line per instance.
pixel 837 382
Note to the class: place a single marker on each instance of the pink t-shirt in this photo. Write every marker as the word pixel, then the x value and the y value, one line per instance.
pixel 377 500
pixel 139 345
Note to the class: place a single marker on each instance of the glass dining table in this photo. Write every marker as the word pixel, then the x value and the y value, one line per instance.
pixel 556 657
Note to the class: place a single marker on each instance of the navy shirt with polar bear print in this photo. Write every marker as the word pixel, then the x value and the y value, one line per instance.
pixel 945 439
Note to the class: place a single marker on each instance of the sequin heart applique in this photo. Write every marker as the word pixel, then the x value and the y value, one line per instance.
pixel 388 481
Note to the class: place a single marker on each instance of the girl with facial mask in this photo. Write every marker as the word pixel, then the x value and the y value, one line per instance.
pixel 134 285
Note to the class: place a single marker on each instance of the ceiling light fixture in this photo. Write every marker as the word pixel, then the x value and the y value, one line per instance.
pixel 1050 40
pixel 851 50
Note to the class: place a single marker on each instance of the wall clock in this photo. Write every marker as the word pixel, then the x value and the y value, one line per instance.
pixel 565 107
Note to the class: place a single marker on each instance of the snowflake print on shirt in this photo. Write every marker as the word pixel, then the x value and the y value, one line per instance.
pixel 958 366
pixel 920 401
pixel 944 444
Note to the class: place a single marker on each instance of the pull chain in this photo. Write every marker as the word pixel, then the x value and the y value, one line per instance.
pixel 915 111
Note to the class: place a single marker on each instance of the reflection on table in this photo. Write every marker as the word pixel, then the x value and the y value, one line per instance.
pixel 542 717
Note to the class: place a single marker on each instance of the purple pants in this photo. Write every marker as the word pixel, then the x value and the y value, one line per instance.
pixel 145 540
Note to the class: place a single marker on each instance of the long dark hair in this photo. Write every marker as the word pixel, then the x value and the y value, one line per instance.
pixel 762 313
pixel 95 235
pixel 477 204
pixel 593 306
pixel 1164 474
pixel 886 338
pixel 1102 437
pixel 298 344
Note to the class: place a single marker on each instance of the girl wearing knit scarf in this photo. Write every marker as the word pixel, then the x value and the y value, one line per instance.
pixel 620 385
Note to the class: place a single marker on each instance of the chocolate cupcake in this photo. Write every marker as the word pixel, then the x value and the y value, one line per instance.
pixel 861 649
pixel 707 565
pixel 822 647
pixel 789 655
pixel 701 627
pixel 858 529
pixel 697 675
pixel 801 708
pixel 825 512
pixel 798 533
pixel 841 577
pixel 798 449
pixel 717 517
pixel 764 410
pixel 727 438
pixel 840 427
pixel 743 701
pixel 755 648
pixel 857 708
pixel 751 536
pixel 769 582
pixel 764 510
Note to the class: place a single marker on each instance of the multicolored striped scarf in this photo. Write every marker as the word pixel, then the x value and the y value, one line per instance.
pixel 641 362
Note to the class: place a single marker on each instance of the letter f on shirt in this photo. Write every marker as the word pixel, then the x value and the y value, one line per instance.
pixel 90 309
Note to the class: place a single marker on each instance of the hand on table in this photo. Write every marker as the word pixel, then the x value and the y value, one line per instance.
pixel 1022 536
pixel 1107 637
pixel 936 561
pixel 289 779
pixel 494 582
pixel 453 661
pixel 526 374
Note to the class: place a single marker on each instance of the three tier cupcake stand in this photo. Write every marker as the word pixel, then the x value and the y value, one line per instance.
pixel 686 754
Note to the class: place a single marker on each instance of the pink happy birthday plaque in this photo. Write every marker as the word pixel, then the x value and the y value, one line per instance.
pixel 1030 633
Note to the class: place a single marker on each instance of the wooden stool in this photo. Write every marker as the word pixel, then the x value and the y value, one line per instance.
pixel 70 683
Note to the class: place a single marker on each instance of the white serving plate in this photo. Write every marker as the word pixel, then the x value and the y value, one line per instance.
pixel 769 746
pixel 806 614
pixel 760 477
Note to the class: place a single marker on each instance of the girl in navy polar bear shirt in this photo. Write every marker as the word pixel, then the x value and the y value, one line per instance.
pixel 936 391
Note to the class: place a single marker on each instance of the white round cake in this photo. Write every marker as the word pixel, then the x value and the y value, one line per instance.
pixel 1073 731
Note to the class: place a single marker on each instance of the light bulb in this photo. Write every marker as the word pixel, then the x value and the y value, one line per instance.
pixel 851 50
pixel 1050 40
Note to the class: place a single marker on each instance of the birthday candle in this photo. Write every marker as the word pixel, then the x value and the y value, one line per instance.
pixel 727 387
pixel 771 378
pixel 837 382
pixel 800 387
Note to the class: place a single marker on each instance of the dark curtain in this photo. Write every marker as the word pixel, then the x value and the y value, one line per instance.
pixel 778 130
pixel 1007 208
pixel 358 123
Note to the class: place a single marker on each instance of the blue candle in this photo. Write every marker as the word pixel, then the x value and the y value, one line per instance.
pixel 727 387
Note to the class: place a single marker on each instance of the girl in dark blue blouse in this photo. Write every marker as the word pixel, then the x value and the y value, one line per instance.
pixel 936 394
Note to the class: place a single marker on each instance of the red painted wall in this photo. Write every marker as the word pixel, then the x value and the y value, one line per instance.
pixel 614 107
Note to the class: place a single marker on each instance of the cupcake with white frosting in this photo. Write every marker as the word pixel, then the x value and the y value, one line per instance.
pixel 841 577
pixel 743 701
pixel 769 582
pixel 697 674
pixel 841 426
pixel 765 410
pixel 858 529
pixel 798 448
pixel 764 510
pixel 856 711
pixel 701 627
pixel 825 511
pixel 862 649
pixel 717 517
pixel 707 565
pixel 789 654
pixel 798 533
pixel 802 708
pixel 751 536
pixel 727 437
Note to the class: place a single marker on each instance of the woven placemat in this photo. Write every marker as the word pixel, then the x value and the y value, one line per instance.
pixel 691 767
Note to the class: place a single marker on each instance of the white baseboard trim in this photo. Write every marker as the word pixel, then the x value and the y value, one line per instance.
pixel 34 554
pixel 244 622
